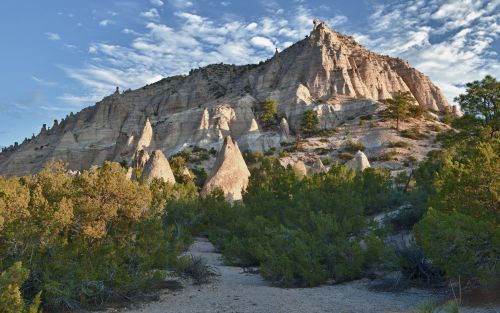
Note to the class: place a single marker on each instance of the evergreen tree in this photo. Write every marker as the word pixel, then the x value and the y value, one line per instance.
pixel 269 109
pixel 481 102
pixel 399 106
pixel 310 121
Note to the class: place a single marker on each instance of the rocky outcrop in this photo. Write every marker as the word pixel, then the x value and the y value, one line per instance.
pixel 284 130
pixel 318 167
pixel 140 158
pixel 327 72
pixel 359 162
pixel 300 169
pixel 158 167
pixel 229 173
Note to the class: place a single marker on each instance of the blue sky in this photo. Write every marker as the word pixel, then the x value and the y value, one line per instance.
pixel 59 56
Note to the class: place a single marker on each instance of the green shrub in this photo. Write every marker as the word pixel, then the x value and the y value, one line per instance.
pixel 269 109
pixel 398 144
pixel 310 121
pixel 11 299
pixel 386 156
pixel 460 233
pixel 302 231
pixel 252 157
pixel 327 132
pixel 344 156
pixel 354 146
pixel 88 239
pixel 416 111
pixel 413 133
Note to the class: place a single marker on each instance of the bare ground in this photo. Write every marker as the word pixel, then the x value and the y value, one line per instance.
pixel 238 292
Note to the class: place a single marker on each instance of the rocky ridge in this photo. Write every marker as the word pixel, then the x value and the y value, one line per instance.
pixel 327 72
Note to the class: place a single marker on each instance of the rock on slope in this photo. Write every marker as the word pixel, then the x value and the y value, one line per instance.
pixel 158 167
pixel 359 162
pixel 229 173
pixel 327 72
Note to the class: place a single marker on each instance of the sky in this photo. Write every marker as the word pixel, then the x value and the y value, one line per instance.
pixel 59 56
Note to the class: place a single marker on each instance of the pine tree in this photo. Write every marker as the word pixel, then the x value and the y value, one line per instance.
pixel 309 121
pixel 399 106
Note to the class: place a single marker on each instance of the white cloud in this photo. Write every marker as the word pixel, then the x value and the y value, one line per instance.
pixel 43 82
pixel 157 3
pixel 403 29
pixel 449 40
pixel 52 36
pixel 262 42
pixel 151 14
pixel 181 4
pixel 105 22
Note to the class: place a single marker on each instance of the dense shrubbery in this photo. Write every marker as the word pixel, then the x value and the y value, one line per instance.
pixel 460 231
pixel 303 232
pixel 87 239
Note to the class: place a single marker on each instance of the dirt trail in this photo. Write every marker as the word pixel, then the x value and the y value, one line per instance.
pixel 238 292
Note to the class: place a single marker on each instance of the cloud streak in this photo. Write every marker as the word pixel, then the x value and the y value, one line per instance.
pixel 436 36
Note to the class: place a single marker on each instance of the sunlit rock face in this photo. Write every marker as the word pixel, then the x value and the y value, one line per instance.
pixel 327 72
pixel 229 173
pixel 158 167
pixel 359 162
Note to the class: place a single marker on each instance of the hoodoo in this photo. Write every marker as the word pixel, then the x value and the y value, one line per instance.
pixel 230 172
pixel 158 167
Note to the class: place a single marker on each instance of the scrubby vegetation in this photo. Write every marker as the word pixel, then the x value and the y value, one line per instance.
pixel 86 240
pixel 269 109
pixel 310 122
pixel 354 146
pixel 78 242
pixel 303 232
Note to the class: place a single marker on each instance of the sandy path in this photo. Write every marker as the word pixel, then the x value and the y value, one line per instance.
pixel 238 292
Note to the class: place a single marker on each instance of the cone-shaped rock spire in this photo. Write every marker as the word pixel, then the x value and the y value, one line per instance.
pixel 158 167
pixel 230 172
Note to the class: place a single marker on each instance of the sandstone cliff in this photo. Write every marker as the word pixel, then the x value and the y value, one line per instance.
pixel 327 72
pixel 229 173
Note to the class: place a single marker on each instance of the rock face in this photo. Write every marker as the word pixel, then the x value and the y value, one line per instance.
pixel 230 172
pixel 140 158
pixel 327 72
pixel 158 167
pixel 318 167
pixel 300 169
pixel 359 162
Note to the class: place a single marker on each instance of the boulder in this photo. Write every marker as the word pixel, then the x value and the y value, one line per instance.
pixel 318 167
pixel 229 173
pixel 300 169
pixel 359 162
pixel 158 167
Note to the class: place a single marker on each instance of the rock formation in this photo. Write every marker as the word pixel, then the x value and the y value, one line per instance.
pixel 140 158
pixel 300 169
pixel 359 162
pixel 230 172
pixel 318 167
pixel 284 130
pixel 158 167
pixel 327 72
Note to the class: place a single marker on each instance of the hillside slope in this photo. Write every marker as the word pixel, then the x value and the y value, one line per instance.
pixel 327 72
